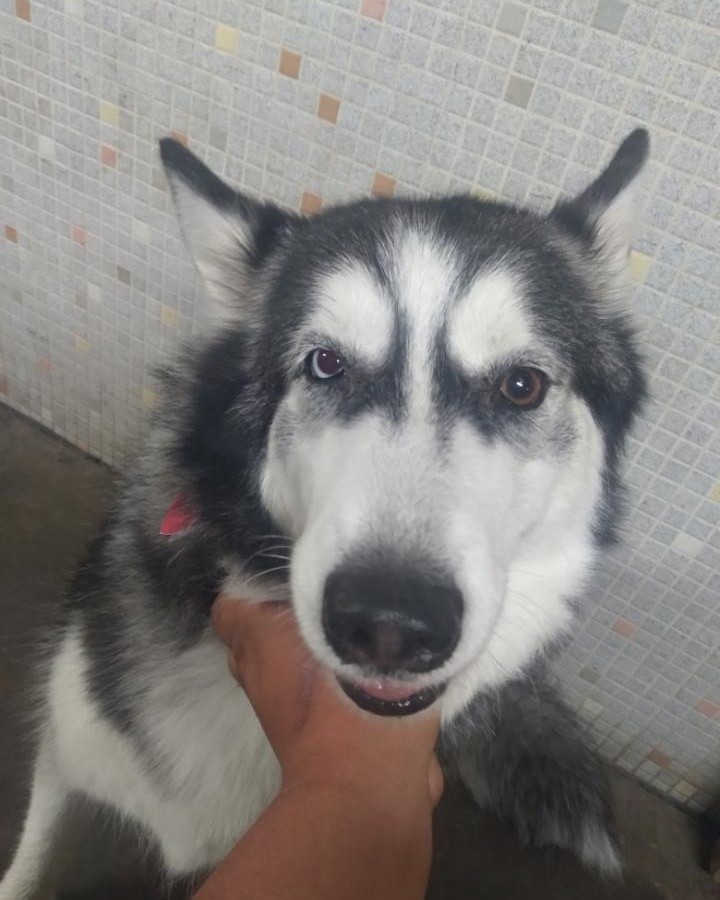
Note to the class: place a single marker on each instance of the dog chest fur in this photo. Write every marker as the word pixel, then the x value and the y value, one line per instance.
pixel 206 770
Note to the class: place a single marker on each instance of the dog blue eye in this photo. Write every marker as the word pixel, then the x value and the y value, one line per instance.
pixel 523 387
pixel 322 364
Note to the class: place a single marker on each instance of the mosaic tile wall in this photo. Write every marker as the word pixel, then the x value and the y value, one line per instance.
pixel 306 102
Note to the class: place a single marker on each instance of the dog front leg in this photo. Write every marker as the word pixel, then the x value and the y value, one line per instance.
pixel 521 754
pixel 32 864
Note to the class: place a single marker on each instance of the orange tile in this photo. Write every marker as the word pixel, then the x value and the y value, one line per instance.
pixel 79 235
pixel 373 9
pixel 328 108
pixel 659 758
pixel 383 185
pixel 11 233
pixel 708 708
pixel 108 155
pixel 310 203
pixel 289 63
pixel 22 9
pixel 180 136
pixel 624 628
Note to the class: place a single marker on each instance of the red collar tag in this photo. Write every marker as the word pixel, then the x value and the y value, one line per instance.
pixel 179 517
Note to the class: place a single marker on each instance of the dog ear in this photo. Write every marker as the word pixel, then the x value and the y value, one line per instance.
pixel 229 235
pixel 605 213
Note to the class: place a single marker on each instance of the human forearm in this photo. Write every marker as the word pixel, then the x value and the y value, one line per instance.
pixel 323 842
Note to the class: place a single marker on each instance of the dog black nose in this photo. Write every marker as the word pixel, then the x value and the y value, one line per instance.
pixel 394 622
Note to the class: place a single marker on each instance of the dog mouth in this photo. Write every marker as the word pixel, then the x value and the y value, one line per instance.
pixel 387 698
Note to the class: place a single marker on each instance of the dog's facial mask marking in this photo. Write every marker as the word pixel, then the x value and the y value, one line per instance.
pixel 441 522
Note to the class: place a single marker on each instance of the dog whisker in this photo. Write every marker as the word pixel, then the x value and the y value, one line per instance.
pixel 257 575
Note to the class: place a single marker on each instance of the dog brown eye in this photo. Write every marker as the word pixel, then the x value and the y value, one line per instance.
pixel 322 364
pixel 523 387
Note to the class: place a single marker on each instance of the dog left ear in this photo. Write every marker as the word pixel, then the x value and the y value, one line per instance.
pixel 228 234
pixel 605 213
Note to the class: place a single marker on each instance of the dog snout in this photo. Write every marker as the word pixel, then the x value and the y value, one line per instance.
pixel 391 622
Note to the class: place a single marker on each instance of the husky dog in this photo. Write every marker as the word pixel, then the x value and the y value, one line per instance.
pixel 406 419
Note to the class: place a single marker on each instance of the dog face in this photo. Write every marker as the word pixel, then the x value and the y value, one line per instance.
pixel 441 388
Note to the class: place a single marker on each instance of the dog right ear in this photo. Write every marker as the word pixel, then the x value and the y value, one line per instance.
pixel 228 235
pixel 604 214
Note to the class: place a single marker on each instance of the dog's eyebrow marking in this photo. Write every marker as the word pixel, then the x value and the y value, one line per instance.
pixel 488 322
pixel 426 274
pixel 350 304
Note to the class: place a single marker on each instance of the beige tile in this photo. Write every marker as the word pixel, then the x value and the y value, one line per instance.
pixel 518 91
pixel 659 758
pixel 609 15
pixel 149 398
pixel 46 147
pixel 373 9
pixel 687 544
pixel 623 627
pixel 310 203
pixel 289 63
pixel 708 708
pixel 511 17
pixel 383 185
pixel 22 9
pixel 108 156
pixel 328 108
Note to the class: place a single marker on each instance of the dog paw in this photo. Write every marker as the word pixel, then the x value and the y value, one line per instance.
pixel 550 804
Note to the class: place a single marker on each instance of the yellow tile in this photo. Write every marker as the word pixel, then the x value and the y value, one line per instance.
pixel 109 113
pixel 685 789
pixel 714 494
pixel 148 397
pixel 592 707
pixel 81 345
pixel 226 38
pixel 482 193
pixel 639 265
pixel 168 315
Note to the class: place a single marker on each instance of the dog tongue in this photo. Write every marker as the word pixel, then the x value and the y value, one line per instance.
pixel 386 690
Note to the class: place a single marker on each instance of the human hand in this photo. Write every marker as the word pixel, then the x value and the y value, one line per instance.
pixel 353 817
pixel 316 732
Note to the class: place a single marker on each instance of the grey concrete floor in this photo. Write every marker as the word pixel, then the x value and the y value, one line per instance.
pixel 51 497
